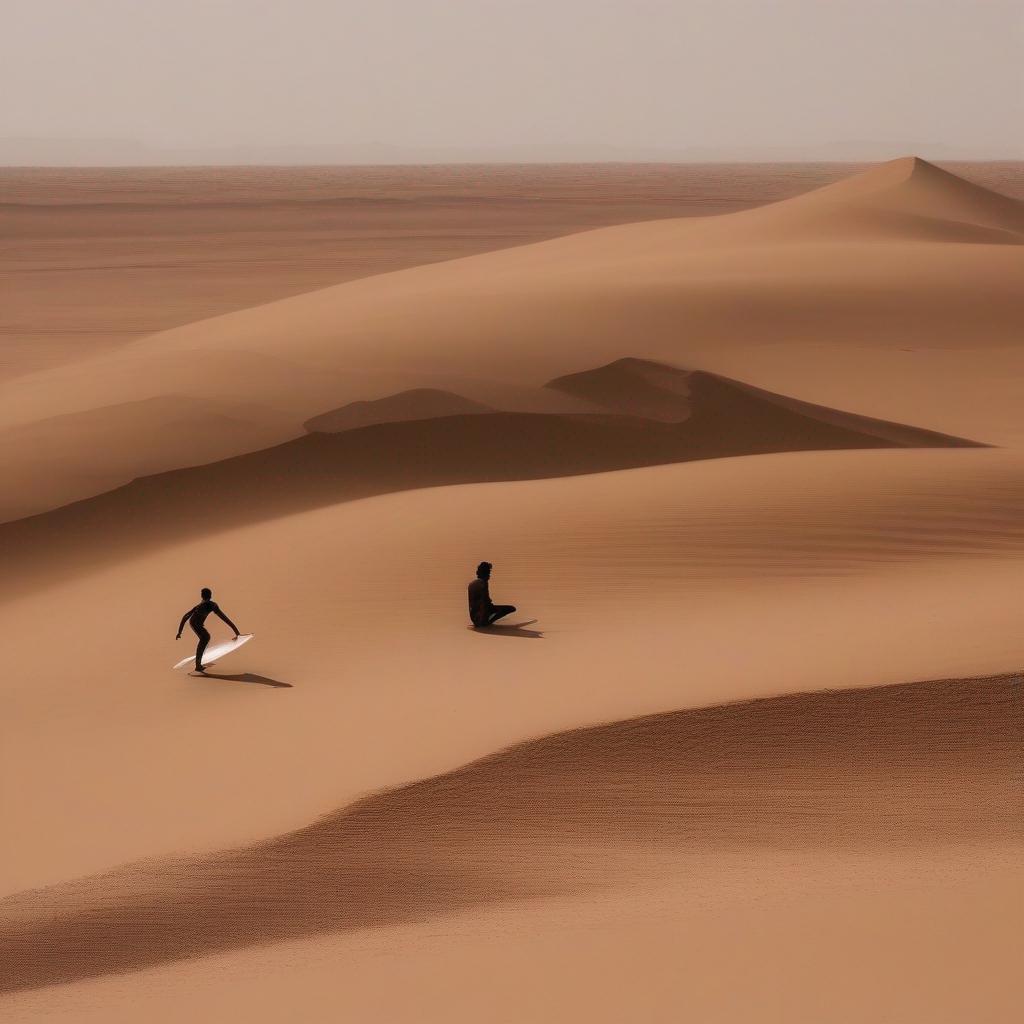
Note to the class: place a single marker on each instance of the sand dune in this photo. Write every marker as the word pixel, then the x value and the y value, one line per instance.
pixel 732 563
pixel 419 404
pixel 776 309
pixel 907 199
pixel 659 588
pixel 655 589
pixel 729 410
pixel 135 439
pixel 707 417
pixel 915 186
pixel 102 256
pixel 795 770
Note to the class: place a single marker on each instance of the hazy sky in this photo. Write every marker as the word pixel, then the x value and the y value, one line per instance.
pixel 702 76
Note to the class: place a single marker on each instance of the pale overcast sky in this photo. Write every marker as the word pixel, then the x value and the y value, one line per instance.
pixel 547 78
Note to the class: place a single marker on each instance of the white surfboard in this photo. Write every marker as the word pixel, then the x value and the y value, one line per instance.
pixel 217 651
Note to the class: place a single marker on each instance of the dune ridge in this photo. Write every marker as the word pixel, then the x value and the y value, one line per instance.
pixel 908 198
pixel 86 237
pixel 723 406
pixel 713 418
pixel 417 404
pixel 714 292
pixel 917 186
pixel 783 772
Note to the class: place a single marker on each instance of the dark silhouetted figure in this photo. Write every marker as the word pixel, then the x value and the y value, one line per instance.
pixel 482 611
pixel 196 618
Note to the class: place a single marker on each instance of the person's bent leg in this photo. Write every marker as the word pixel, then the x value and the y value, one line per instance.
pixel 204 639
pixel 499 611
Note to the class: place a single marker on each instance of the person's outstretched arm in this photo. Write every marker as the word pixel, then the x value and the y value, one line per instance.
pixel 224 618
pixel 184 619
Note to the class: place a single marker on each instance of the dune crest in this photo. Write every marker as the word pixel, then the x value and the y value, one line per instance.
pixel 721 408
pixel 417 404
pixel 634 387
pixel 919 186
pixel 907 199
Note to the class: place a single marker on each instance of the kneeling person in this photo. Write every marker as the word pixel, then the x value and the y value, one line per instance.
pixel 483 611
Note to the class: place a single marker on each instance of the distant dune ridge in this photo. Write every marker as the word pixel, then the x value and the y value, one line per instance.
pixel 562 814
pixel 418 404
pixel 720 408
pixel 105 255
pixel 907 198
pixel 912 186
pixel 902 256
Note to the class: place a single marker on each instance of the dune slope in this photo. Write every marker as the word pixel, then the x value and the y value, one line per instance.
pixel 418 404
pixel 726 409
pixel 790 771
pixel 655 589
pixel 712 417
pixel 848 276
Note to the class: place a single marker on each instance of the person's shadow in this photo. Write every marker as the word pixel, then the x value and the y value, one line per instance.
pixel 245 677
pixel 511 629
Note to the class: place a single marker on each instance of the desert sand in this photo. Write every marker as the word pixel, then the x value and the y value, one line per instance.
pixel 95 258
pixel 749 750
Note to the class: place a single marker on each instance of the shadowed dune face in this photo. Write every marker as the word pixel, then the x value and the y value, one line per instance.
pixel 635 387
pixel 418 404
pixel 724 408
pixel 711 417
pixel 894 767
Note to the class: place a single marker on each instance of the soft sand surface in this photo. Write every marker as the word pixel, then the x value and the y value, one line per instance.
pixel 842 856
pixel 850 296
pixel 94 257
pixel 721 585
pixel 848 950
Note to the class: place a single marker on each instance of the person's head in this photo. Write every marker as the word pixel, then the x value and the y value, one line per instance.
pixel 483 570
pixel 206 593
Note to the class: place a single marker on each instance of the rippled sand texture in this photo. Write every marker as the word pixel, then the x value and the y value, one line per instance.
pixel 749 750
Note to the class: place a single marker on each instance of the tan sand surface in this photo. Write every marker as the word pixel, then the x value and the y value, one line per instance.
pixel 631 802
pixel 867 939
pixel 94 257
pixel 660 415
pixel 828 287
pixel 755 568
pixel 818 820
